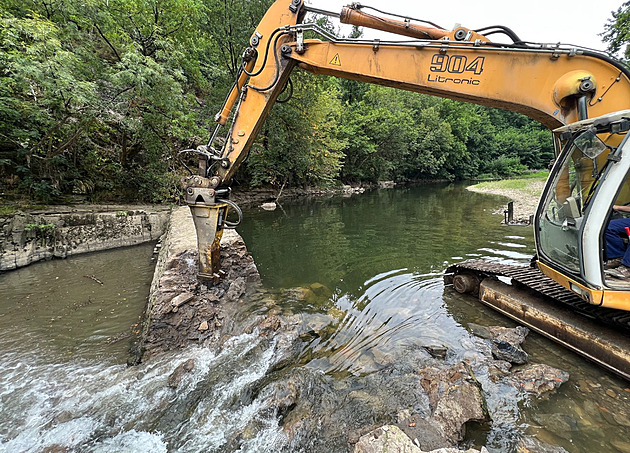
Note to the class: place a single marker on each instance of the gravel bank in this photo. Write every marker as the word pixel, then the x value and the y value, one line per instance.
pixel 525 199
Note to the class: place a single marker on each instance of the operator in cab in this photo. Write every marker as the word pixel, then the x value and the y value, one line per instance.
pixel 617 251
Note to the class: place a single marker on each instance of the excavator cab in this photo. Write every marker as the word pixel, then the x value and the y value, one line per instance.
pixel 590 175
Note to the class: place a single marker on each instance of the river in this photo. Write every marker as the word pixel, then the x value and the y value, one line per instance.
pixel 376 263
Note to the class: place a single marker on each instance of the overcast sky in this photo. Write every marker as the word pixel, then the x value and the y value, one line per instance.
pixel 573 22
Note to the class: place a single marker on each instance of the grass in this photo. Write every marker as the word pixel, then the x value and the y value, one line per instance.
pixel 7 209
pixel 528 183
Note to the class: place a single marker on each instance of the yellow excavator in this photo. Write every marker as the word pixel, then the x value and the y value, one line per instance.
pixel 581 94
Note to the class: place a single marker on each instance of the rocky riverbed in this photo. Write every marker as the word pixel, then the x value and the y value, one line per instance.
pixel 414 399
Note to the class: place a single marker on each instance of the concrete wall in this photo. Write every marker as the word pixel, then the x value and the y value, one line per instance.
pixel 29 237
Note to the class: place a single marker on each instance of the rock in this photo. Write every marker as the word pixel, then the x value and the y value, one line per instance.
pixel 391 439
pixel 55 449
pixel 203 326
pixel 502 350
pixel 505 342
pixel 480 331
pixel 387 438
pixel 455 397
pixel 539 378
pixel 425 432
pixel 381 357
pixel 438 352
pixel 534 445
pixel 386 184
pixel 622 419
pixel 178 374
pixel 284 396
pixel 180 300
pixel 321 290
pixel 316 323
pixel 560 424
pixel 270 206
pixel 236 290
pixel 621 446
pixel 269 324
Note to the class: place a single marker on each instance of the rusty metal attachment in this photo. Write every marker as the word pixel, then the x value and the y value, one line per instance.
pixel 209 215
pixel 209 221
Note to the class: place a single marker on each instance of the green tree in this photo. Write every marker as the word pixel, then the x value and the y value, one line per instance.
pixel 298 144
pixel 617 31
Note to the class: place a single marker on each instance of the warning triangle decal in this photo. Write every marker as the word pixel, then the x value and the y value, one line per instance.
pixel 336 61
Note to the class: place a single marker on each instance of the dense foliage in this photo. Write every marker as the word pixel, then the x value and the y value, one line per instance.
pixel 617 31
pixel 98 96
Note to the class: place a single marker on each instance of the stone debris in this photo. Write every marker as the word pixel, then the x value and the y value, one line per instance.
pixel 437 352
pixel 431 404
pixel 181 310
pixel 180 300
pixel 506 343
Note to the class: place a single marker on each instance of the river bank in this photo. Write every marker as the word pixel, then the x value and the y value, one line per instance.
pixel 524 192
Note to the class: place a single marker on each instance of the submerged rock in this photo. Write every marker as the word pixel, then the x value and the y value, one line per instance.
pixel 539 378
pixel 178 374
pixel 531 444
pixel 506 342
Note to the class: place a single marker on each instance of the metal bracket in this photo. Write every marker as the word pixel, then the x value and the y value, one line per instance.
pixel 299 46
pixel 295 5
pixel 376 45
pixel 556 52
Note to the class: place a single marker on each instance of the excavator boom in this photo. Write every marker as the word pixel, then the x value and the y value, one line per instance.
pixel 553 84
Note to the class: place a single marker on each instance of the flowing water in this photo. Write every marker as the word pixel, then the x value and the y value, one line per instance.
pixel 373 268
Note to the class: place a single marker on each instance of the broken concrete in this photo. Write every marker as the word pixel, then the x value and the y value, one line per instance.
pixel 181 310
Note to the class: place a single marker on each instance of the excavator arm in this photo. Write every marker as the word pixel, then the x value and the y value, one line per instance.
pixel 554 85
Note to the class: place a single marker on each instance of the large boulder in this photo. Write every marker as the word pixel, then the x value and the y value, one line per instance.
pixel 391 439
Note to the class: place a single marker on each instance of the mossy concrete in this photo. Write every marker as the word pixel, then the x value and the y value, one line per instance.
pixel 28 237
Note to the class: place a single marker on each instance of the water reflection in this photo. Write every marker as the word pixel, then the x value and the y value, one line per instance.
pixel 382 255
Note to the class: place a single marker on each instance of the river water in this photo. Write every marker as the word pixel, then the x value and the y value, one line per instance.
pixel 375 262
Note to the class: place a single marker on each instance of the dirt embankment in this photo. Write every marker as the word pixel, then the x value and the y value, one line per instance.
pixel 525 198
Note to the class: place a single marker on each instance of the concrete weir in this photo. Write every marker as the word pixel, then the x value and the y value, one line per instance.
pixel 64 231
pixel 180 309
pixel 589 338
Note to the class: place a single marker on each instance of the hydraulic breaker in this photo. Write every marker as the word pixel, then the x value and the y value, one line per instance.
pixel 209 215
pixel 209 221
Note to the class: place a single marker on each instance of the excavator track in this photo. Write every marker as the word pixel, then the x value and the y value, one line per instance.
pixel 535 281
pixel 536 301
